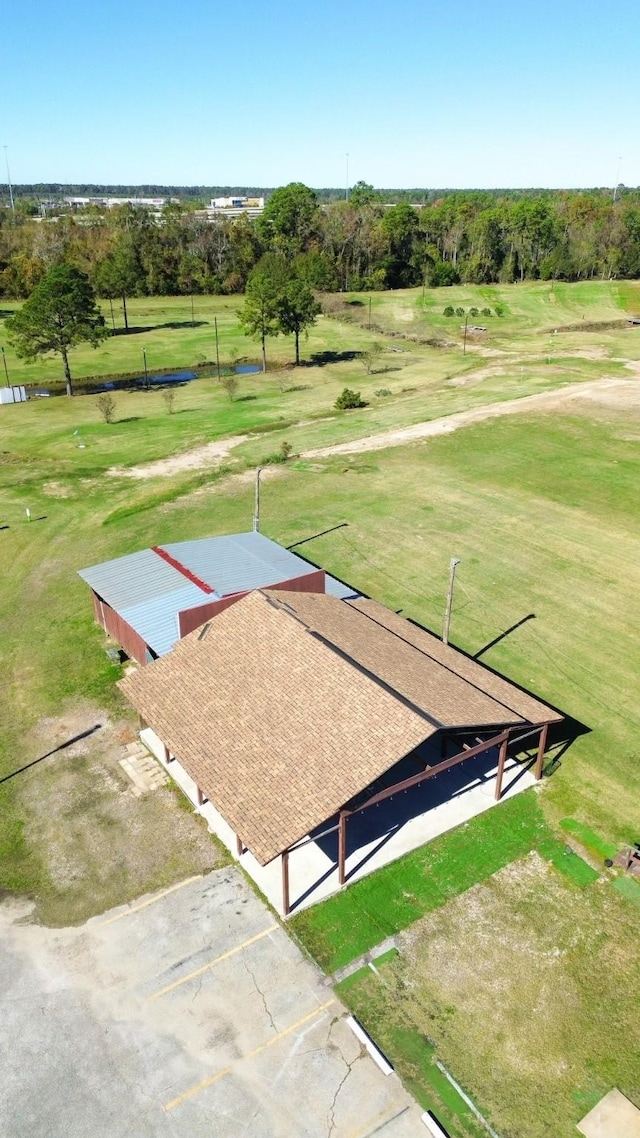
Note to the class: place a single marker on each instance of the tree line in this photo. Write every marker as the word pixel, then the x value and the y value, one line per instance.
pixel 362 243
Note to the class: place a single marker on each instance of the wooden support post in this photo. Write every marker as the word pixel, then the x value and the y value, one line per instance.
pixel 502 758
pixel 342 847
pixel 167 755
pixel 199 796
pixel 239 846
pixel 542 746
pixel 286 907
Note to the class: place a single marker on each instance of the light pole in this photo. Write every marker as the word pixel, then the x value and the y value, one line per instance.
pixel 256 504
pixel 6 158
pixel 6 370
pixel 455 561
pixel 146 373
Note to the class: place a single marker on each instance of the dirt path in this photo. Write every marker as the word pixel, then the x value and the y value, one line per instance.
pixel 195 459
pixel 615 392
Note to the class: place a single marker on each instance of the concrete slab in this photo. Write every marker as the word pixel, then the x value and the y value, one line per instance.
pixel 188 1013
pixel 613 1117
pixel 376 836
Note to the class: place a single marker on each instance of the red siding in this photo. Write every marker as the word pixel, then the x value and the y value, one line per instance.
pixel 118 628
pixel 190 619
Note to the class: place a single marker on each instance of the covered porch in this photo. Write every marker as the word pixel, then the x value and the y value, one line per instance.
pixel 442 784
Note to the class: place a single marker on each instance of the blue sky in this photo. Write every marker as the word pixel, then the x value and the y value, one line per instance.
pixel 482 93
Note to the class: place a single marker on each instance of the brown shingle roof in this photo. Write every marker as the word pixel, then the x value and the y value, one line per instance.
pixel 474 674
pixel 276 728
pixel 287 705
pixel 451 690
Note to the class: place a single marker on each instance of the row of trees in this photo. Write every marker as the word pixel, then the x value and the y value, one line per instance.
pixel 361 243
pixel 62 311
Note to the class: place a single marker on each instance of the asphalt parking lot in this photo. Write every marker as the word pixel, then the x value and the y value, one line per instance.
pixel 188 1013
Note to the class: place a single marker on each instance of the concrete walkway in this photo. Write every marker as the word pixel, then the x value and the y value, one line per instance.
pixel 376 836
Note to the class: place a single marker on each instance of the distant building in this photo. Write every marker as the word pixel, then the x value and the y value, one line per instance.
pixel 235 206
pixel 153 204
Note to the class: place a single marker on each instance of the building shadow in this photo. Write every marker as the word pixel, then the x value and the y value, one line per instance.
pixel 369 830
pixel 61 747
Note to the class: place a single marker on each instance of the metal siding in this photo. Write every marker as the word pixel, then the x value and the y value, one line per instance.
pixel 239 562
pixel 123 634
pixel 337 588
pixel 190 619
pixel 156 620
pixel 132 579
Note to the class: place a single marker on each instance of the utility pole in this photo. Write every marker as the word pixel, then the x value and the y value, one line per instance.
pixel 369 313
pixel 347 188
pixel 615 190
pixel 455 561
pixel 193 319
pixel 6 370
pixel 464 342
pixel 215 324
pixel 256 504
pixel 6 158
pixel 146 373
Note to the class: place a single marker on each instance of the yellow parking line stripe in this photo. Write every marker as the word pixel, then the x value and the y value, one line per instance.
pixel 212 963
pixel 149 901
pixel 195 1090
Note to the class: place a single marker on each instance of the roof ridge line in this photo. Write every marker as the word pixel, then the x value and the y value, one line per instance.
pixel 438 662
pixel 376 679
pixel 182 569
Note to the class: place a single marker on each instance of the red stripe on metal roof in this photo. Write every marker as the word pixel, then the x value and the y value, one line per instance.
pixel 182 569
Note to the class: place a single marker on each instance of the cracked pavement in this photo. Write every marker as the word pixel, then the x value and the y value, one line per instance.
pixel 187 1013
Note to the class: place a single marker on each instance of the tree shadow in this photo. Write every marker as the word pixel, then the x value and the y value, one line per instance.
pixel 321 359
pixel 245 398
pixel 136 329
pixel 4 312
pixel 130 419
pixel 62 747
pixel 297 387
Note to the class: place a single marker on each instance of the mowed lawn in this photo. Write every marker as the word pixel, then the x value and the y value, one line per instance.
pixel 526 988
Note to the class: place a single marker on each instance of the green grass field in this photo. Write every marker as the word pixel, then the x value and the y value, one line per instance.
pixel 541 508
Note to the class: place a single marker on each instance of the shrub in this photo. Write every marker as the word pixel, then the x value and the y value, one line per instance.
pixel 474 312
pixel 279 456
pixel 486 312
pixel 348 400
pixel 498 309
pixel 106 405
pixel 370 357
pixel 449 310
pixel 382 393
pixel 459 311
pixel 230 384
pixel 169 397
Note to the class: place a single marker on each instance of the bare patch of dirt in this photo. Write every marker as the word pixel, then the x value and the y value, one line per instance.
pixel 211 453
pixel 56 490
pixel 620 393
pixel 100 845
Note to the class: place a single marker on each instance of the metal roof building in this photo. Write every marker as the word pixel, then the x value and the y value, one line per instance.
pixel 148 600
